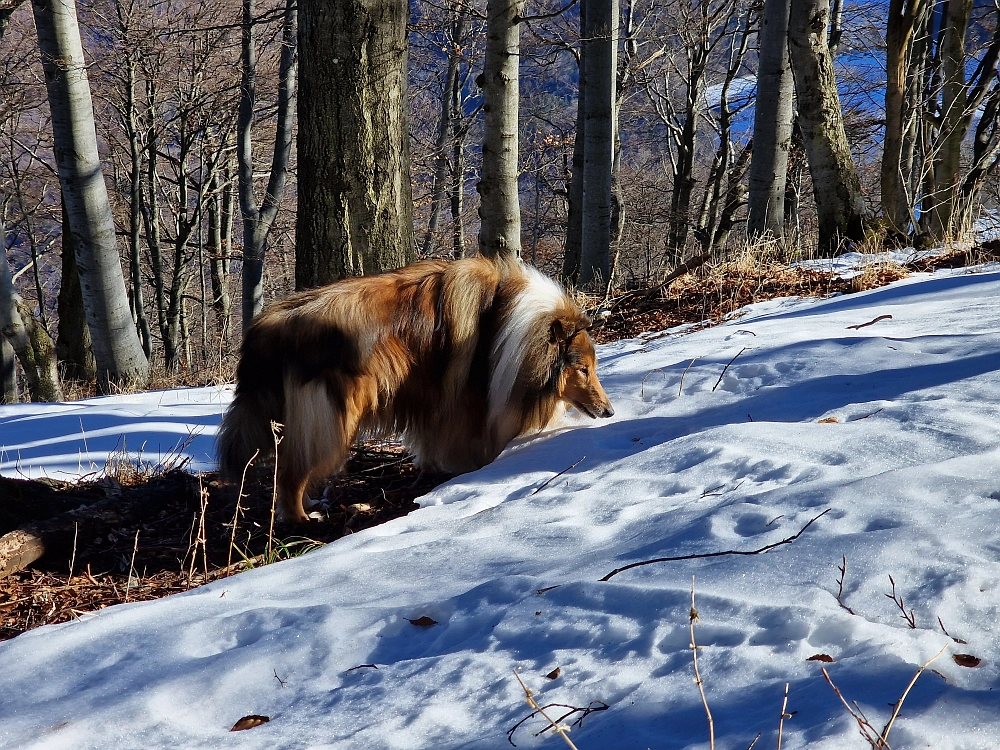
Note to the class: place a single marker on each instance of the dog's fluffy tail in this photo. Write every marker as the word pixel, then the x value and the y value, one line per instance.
pixel 245 430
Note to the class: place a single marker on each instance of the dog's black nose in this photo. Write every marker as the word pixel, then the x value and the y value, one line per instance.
pixel 609 411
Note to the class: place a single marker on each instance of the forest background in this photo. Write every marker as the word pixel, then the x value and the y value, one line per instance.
pixel 609 143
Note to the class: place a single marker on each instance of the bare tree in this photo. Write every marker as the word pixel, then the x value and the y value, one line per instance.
pixel 258 219
pixel 28 339
pixel 600 66
pixel 904 17
pixel 837 189
pixel 772 125
pixel 499 209
pixel 117 349
pixel 355 212
pixel 8 373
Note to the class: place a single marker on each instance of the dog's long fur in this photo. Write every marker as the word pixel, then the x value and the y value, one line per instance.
pixel 457 358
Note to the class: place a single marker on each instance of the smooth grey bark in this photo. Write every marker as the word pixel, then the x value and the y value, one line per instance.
pixel 8 371
pixel 724 193
pixel 956 116
pixel 903 18
pixel 574 192
pixel 355 212
pixel 258 218
pixel 218 250
pixel 600 42
pixel 772 127
pixel 135 207
pixel 117 350
pixel 73 344
pixel 448 123
pixel 836 187
pixel 457 191
pixel 499 207
pixel 29 340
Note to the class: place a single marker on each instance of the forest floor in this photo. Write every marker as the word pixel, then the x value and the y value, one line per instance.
pixel 195 534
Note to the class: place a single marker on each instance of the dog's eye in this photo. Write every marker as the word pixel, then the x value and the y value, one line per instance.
pixel 585 372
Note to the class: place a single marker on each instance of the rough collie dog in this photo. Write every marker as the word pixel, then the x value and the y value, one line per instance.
pixel 457 358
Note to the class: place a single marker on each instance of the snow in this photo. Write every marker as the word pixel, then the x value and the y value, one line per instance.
pixel 909 472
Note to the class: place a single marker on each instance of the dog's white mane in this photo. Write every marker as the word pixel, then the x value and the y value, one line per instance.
pixel 540 298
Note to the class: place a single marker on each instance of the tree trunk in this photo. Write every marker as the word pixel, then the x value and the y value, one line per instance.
pixel 8 371
pixel 574 192
pixel 772 126
pixel 218 248
pixel 73 347
pixel 458 185
pixel 258 219
pixel 135 212
pixel 955 119
pixel 355 207
pixel 117 349
pixel 600 41
pixel 499 208
pixel 836 187
pixel 903 15
pixel 447 126
pixel 29 340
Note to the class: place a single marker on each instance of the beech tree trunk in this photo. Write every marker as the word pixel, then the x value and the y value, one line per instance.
pixel 903 16
pixel 836 187
pixel 29 340
pixel 355 206
pixel 574 192
pixel 772 126
pixel 451 102
pixel 499 208
pixel 258 218
pixel 600 42
pixel 8 371
pixel 117 350
pixel 956 116
pixel 73 348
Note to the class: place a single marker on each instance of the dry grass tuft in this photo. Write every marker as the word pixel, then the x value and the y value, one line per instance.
pixel 196 539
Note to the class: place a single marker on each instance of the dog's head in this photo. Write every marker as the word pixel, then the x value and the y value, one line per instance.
pixel 578 384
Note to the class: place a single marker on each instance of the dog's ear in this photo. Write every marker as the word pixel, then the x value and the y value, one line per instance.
pixel 561 329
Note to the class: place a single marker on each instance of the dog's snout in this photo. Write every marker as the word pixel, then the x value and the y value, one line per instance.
pixel 609 411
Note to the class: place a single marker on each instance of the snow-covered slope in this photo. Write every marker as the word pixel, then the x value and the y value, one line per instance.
pixel 909 471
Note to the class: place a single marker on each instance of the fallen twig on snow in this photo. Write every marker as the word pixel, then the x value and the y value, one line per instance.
pixel 897 599
pixel 727 367
pixel 701 555
pixel 869 323
pixel 586 711
pixel 840 585
pixel 561 729
pixel 549 481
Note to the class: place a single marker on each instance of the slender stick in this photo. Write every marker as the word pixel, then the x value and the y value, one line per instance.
pixel 697 674
pixel 131 567
pixel 727 367
pixel 784 715
pixel 530 698
pixel 699 556
pixel 681 386
pixel 275 430
pixel 899 703
pixel 552 479
pixel 236 515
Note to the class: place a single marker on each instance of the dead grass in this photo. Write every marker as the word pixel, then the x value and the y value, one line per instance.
pixel 188 544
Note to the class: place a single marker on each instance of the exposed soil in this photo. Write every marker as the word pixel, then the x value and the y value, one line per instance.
pixel 188 537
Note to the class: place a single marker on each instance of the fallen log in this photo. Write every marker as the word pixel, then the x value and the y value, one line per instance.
pixel 55 538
